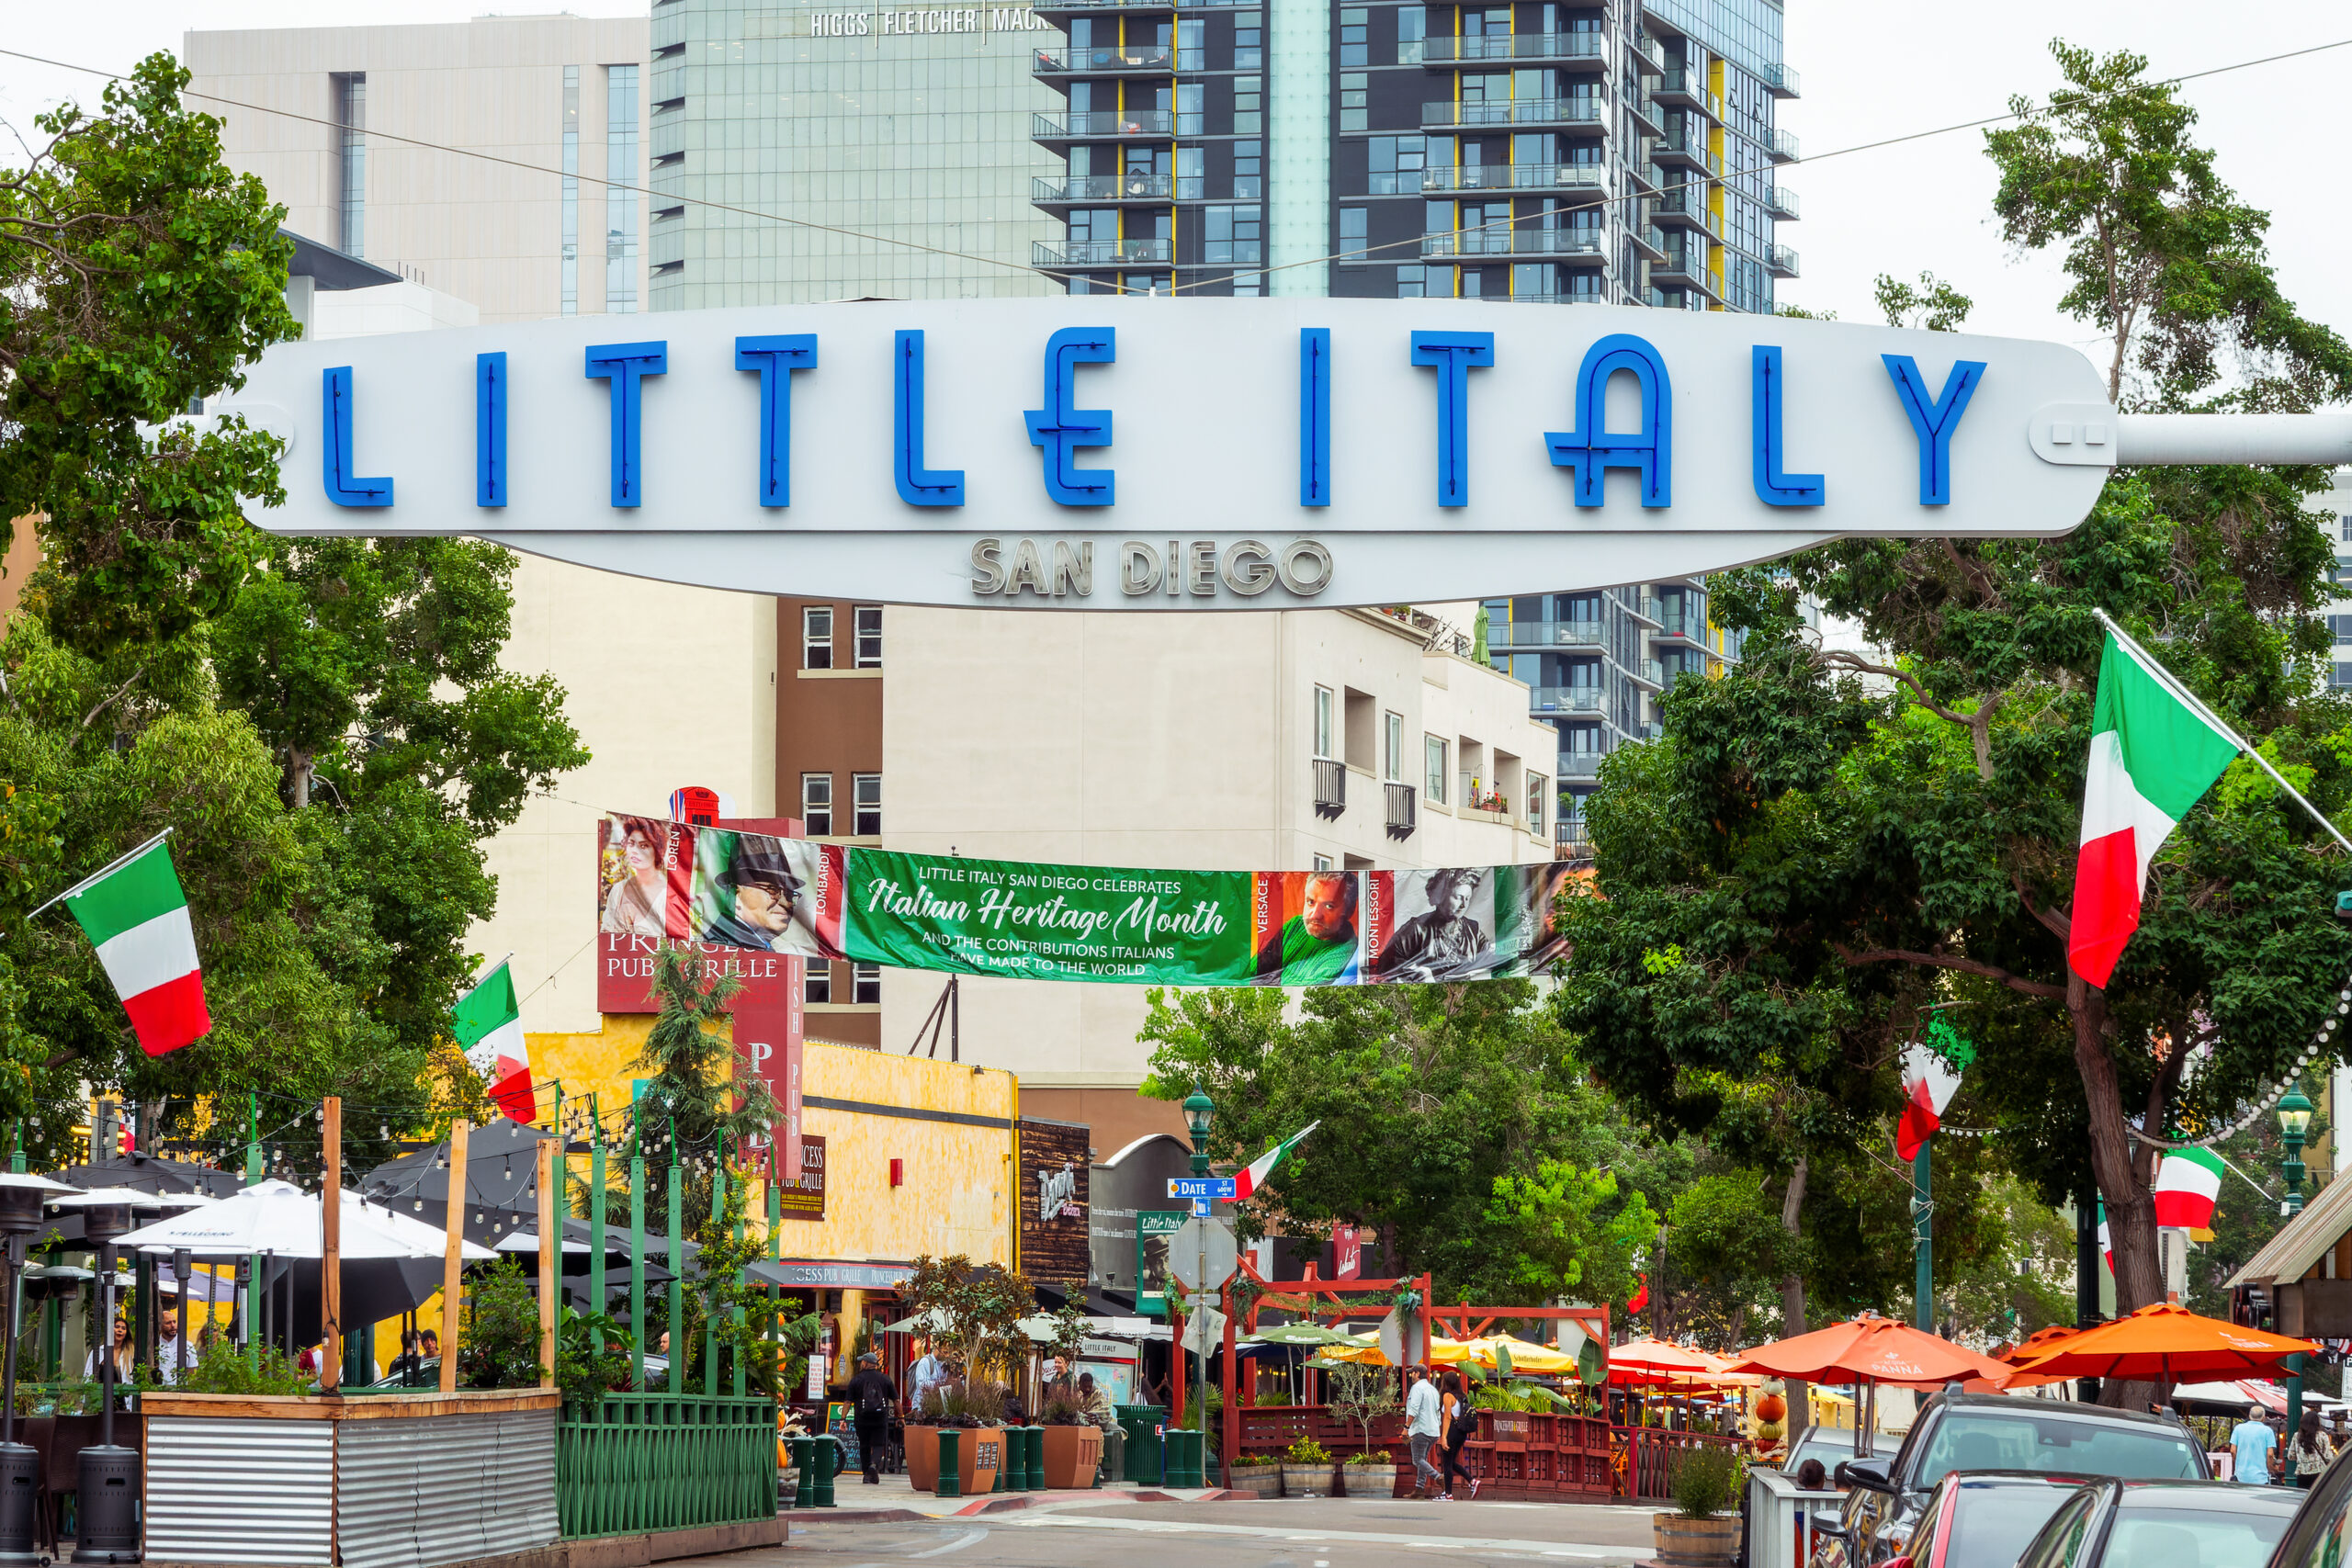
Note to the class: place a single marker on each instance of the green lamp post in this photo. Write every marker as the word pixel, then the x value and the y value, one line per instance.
pixel 1198 1109
pixel 2294 1123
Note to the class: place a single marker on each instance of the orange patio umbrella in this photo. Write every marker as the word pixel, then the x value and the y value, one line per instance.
pixel 2166 1343
pixel 1870 1350
pixel 2025 1351
pixel 1654 1363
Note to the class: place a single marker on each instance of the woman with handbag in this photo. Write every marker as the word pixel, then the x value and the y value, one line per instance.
pixel 2308 1453
pixel 1459 1426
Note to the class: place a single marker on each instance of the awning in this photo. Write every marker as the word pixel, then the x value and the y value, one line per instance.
pixel 806 1274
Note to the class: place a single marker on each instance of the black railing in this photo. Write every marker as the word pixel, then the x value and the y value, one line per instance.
pixel 1331 786
pixel 1402 819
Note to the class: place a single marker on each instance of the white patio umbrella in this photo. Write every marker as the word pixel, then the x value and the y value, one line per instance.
pixel 280 1219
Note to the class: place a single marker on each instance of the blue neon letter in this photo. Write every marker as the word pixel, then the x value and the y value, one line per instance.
pixel 1058 429
pixel 343 487
pixel 1774 488
pixel 1933 420
pixel 626 364
pixel 1592 451
pixel 1453 354
pixel 1315 416
pixel 775 358
pixel 918 486
pixel 490 429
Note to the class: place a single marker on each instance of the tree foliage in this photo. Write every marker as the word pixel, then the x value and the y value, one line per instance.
pixel 704 1100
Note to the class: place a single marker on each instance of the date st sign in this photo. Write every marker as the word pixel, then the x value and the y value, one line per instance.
pixel 1201 453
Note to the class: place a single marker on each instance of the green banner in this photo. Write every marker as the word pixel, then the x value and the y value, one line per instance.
pixel 1049 923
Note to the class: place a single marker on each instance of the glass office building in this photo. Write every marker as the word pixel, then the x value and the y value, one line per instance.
pixel 908 125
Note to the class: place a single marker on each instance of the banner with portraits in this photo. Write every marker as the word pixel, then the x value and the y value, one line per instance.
pixel 1030 921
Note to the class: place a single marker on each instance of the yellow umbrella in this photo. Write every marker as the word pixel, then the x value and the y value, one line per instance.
pixel 1525 1357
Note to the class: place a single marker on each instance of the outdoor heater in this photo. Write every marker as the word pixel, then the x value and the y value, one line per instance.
pixel 108 1476
pixel 21 1201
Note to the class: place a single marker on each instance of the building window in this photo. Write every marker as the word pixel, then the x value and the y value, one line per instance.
pixel 1412 27
pixel 1190 119
pixel 1536 787
pixel 1391 764
pixel 1323 721
pixel 620 206
pixel 1396 164
pixel 817 805
pixel 865 803
pixel 1355 36
pixel 571 191
pixel 1354 96
pixel 2345 520
pixel 1433 769
pixel 817 982
pixel 1323 862
pixel 1247 100
pixel 867 625
pixel 351 149
pixel 1249 170
pixel 866 983
pixel 1412 283
pixel 1354 233
pixel 816 637
pixel 1232 236
pixel 1248 40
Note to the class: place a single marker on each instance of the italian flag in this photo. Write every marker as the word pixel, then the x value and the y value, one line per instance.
pixel 488 1022
pixel 2151 755
pixel 1931 1070
pixel 137 917
pixel 2188 1183
pixel 1259 1169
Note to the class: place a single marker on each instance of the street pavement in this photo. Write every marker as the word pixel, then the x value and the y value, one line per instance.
pixel 1106 1529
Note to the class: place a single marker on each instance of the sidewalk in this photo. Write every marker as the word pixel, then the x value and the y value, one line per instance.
pixel 895 1501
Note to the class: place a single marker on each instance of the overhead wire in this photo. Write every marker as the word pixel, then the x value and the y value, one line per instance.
pixel 1361 253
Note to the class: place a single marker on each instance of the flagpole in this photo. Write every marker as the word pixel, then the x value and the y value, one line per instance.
pixel 127 855
pixel 492 969
pixel 2172 683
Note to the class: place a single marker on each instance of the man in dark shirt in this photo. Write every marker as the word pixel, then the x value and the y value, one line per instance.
pixel 871 1397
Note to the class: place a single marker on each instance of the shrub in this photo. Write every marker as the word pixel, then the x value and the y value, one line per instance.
pixel 1707 1482
pixel 1371 1457
pixel 1307 1450
pixel 226 1371
pixel 1062 1410
pixel 500 1347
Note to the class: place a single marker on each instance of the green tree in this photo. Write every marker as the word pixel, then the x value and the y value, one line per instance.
pixel 704 1100
pixel 1931 305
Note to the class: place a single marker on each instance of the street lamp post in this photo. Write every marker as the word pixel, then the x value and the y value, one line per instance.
pixel 2294 1121
pixel 1198 1110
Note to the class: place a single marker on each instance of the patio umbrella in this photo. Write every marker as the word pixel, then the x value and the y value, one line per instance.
pixel 280 1219
pixel 1654 1363
pixel 2167 1342
pixel 1867 1351
pixel 1525 1357
pixel 2025 1351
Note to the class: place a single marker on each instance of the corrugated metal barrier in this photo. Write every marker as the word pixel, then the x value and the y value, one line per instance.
pixel 418 1492
pixel 241 1491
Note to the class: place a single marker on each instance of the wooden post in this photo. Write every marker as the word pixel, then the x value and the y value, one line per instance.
pixel 331 1251
pixel 551 1258
pixel 459 1195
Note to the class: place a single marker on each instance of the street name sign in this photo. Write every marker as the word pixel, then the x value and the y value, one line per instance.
pixel 1201 1187
pixel 1203 1256
pixel 1100 453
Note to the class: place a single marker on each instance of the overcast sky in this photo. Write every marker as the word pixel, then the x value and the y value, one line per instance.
pixel 1869 69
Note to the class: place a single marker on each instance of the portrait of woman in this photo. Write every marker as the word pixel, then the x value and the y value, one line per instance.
pixel 634 904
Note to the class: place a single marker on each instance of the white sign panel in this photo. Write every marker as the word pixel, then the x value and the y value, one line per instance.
pixel 1118 453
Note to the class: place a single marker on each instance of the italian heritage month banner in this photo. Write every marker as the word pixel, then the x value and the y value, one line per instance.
pixel 1023 919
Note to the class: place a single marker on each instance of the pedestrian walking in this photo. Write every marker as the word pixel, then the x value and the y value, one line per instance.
pixel 1459 1423
pixel 1424 1425
pixel 871 1396
pixel 2309 1454
pixel 2252 1449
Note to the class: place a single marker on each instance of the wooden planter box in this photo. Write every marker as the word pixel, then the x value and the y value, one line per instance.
pixel 1072 1454
pixel 1362 1482
pixel 973 1444
pixel 1694 1543
pixel 1265 1480
pixel 1309 1480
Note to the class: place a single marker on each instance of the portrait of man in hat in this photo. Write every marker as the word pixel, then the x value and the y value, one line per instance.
pixel 1443 941
pixel 748 893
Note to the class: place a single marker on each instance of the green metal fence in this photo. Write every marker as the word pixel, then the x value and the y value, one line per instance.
pixel 659 1461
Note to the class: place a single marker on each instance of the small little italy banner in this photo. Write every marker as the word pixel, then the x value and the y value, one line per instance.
pixel 1039 922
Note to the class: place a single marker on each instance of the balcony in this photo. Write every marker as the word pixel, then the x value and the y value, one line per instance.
pixel 1779 81
pixel 1579 765
pixel 1111 59
pixel 1487 801
pixel 1471 244
pixel 1545 634
pixel 1781 145
pixel 1782 202
pixel 1686 208
pixel 1682 269
pixel 1402 817
pixel 1648 242
pixel 1514 176
pixel 1572 835
pixel 1685 88
pixel 1566 699
pixel 1532 297
pixel 1517 111
pixel 1107 190
pixel 1647 116
pixel 1685 147
pixel 1331 786
pixel 1646 607
pixel 1512 46
pixel 1680 623
pixel 1099 253
pixel 1111 123
pixel 1648 673
pixel 1784 262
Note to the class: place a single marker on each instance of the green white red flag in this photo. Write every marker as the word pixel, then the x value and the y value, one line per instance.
pixel 1259 1169
pixel 2188 1185
pixel 1931 1071
pixel 136 916
pixel 488 1022
pixel 2151 755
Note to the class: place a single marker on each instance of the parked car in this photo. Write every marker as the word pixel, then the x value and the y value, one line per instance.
pixel 1986 1518
pixel 1994 1431
pixel 2139 1524
pixel 2321 1534
pixel 1833 1446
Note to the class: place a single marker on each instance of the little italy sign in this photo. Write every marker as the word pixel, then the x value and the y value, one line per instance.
pixel 1179 454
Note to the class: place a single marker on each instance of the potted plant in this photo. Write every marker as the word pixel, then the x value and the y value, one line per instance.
pixel 1701 1532
pixel 1307 1470
pixel 1370 1476
pixel 975 1310
pixel 1073 1445
pixel 1256 1474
